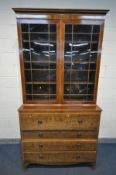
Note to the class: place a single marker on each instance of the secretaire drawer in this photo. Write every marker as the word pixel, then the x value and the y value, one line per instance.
pixel 58 121
pixel 59 134
pixel 61 157
pixel 58 145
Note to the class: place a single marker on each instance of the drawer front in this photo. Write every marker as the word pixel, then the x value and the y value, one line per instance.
pixel 59 121
pixel 59 134
pixel 58 145
pixel 60 157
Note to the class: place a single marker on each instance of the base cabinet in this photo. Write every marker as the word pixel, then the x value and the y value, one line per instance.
pixel 59 137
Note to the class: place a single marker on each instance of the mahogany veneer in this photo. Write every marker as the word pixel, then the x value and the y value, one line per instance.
pixel 60 52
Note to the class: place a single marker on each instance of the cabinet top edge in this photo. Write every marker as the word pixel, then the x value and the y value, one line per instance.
pixel 59 108
pixel 60 11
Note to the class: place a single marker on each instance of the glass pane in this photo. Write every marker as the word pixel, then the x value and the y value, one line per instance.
pixel 76 97
pixel 96 29
pixel 79 75
pixel 52 37
pixel 37 65
pixel 93 66
pixel 52 89
pixel 67 88
pixel 52 96
pixel 68 28
pixel 40 89
pixel 67 76
pixel 68 37
pixel 39 28
pixel 52 28
pixel 24 27
pixel 95 37
pixel 93 57
pixel 27 65
pixel 90 89
pixel 39 52
pixel 82 28
pixel 52 52
pixel 52 66
pixel 75 89
pixel 39 39
pixel 92 76
pixel 67 66
pixel 26 55
pixel 81 37
pixel 80 48
pixel 26 46
pixel 52 75
pixel 81 89
pixel 84 66
pixel 29 88
pixel 90 97
pixel 94 47
pixel 40 75
pixel 67 52
pixel 29 97
pixel 27 75
pixel 82 57
pixel 41 97
pixel 25 36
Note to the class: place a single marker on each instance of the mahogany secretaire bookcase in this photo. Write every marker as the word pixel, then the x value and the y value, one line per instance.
pixel 60 51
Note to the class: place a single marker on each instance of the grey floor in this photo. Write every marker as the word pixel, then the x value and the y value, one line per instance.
pixel 10 163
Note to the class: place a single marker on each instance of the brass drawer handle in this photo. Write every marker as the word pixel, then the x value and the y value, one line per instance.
pixel 39 121
pixel 41 157
pixel 78 157
pixel 78 145
pixel 80 121
pixel 40 135
pixel 79 134
pixel 40 146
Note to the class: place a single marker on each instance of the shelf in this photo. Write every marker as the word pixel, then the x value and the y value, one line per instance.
pixel 80 33
pixel 32 41
pixel 85 82
pixel 40 83
pixel 81 42
pixel 80 62
pixel 87 70
pixel 40 69
pixel 39 33
pixel 78 94
pixel 48 62
pixel 42 94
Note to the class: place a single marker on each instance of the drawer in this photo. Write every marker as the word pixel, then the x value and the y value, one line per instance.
pixel 59 134
pixel 61 157
pixel 58 145
pixel 59 121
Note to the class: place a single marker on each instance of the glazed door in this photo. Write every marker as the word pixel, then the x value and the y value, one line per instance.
pixel 81 61
pixel 38 53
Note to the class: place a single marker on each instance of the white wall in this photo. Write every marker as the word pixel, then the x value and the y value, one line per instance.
pixel 10 86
